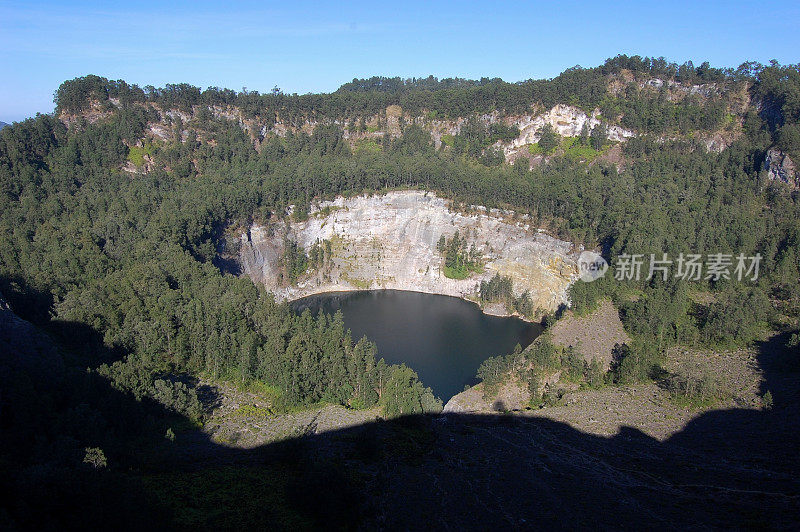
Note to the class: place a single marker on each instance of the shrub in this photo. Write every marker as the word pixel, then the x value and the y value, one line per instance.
pixel 692 390
pixel 593 373
pixel 737 316
pixel 631 364
pixel 549 139
pixel 176 396
pixel 553 397
pixel 533 388
pixel 95 457
pixel 543 354
pixel 573 364
pixel 766 401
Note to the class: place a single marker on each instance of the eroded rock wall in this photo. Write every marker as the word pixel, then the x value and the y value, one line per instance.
pixel 780 167
pixel 389 242
pixel 566 120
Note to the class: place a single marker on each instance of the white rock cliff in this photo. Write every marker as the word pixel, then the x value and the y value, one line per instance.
pixel 389 242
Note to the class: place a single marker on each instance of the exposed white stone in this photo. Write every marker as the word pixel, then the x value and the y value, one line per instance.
pixel 566 120
pixel 706 89
pixel 389 241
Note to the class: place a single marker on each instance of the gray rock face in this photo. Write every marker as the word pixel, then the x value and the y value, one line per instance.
pixel 389 242
pixel 780 167
pixel 706 89
pixel 566 120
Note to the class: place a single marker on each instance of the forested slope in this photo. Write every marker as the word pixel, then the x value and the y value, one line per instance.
pixel 113 209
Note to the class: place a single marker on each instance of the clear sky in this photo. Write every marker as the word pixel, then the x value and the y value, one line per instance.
pixel 313 47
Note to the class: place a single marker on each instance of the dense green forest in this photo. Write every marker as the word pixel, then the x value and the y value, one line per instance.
pixel 584 87
pixel 132 257
pixel 132 261
pixel 120 268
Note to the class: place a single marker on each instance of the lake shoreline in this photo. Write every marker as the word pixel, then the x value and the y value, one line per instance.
pixel 443 338
pixel 489 310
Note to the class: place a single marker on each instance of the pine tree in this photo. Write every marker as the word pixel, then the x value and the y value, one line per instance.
pixel 599 136
pixel 548 139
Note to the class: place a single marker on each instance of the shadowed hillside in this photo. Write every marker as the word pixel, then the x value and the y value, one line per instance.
pixel 727 469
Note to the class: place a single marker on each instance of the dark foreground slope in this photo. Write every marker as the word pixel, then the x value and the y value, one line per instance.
pixel 727 469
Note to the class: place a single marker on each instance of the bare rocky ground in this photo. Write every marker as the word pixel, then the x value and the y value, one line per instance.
pixel 647 407
pixel 650 408
pixel 594 335
pixel 246 420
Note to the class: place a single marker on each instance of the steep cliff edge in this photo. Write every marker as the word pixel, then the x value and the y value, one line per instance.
pixel 390 242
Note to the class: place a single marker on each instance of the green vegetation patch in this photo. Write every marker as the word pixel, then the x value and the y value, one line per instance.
pixel 535 149
pixel 136 154
pixel 326 211
pixel 459 262
pixel 499 289
pixel 358 283
pixel 695 391
pixel 368 146
pixel 577 151
pixel 456 273
pixel 253 411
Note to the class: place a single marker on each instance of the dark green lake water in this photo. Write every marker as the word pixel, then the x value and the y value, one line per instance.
pixel 444 339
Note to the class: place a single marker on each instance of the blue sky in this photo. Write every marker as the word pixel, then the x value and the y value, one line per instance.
pixel 313 47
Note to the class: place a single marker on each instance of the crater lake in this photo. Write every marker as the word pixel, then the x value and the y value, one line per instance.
pixel 444 339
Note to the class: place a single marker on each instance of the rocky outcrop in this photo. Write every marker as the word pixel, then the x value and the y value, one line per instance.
pixel 566 120
pixel 389 242
pixel 512 395
pixel 676 90
pixel 780 167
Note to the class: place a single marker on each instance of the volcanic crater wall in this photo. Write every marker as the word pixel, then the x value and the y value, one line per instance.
pixel 389 242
